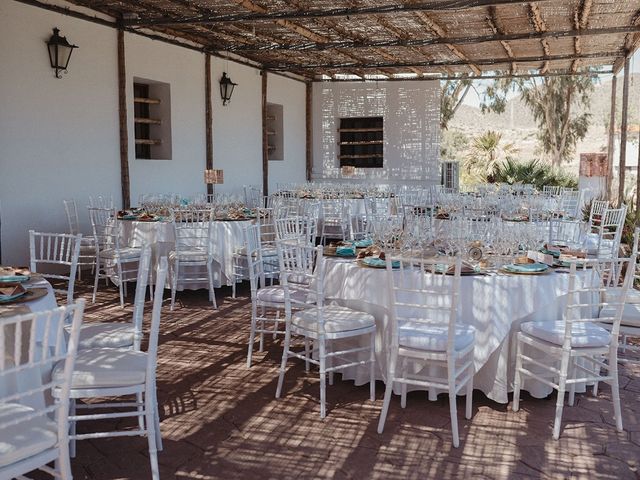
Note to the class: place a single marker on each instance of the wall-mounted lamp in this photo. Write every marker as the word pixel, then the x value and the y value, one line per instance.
pixel 59 52
pixel 226 88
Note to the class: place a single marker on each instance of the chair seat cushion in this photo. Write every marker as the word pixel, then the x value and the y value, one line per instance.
pixel 434 337
pixel 336 319
pixel 126 252
pixel 266 252
pixel 105 335
pixel 106 367
pixel 582 334
pixel 192 255
pixel 27 438
pixel 630 314
pixel 275 294
pixel 613 294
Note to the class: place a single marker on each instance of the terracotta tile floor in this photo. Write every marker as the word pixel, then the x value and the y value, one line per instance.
pixel 220 420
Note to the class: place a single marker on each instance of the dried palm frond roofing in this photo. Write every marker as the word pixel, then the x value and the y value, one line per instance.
pixel 321 38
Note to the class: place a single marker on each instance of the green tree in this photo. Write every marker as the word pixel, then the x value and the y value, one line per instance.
pixel 452 94
pixel 554 103
pixel 485 153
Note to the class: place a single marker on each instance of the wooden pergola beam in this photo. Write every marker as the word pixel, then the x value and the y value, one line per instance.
pixel 440 32
pixel 498 29
pixel 580 22
pixel 260 16
pixel 541 27
pixel 439 63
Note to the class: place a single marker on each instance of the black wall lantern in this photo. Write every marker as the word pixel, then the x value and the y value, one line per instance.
pixel 59 52
pixel 226 88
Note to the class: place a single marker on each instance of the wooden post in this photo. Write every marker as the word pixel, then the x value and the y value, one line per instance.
pixel 623 131
pixel 309 124
pixel 208 118
pixel 265 138
pixel 612 133
pixel 124 137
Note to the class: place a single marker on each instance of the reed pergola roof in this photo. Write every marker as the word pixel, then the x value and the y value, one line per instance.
pixel 367 38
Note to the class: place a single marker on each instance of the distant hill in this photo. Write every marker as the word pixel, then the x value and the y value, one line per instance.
pixel 518 126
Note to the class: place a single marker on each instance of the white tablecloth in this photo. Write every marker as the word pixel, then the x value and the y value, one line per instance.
pixel 494 304
pixel 227 237
pixel 31 378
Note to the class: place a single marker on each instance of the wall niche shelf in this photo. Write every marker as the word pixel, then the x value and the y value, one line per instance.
pixel 152 119
pixel 361 142
pixel 275 133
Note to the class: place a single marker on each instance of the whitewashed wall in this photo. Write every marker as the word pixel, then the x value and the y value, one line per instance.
pixel 411 112
pixel 59 138
pixel 290 94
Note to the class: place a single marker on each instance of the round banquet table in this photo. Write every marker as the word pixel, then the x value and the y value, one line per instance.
pixel 30 378
pixel 228 236
pixel 495 304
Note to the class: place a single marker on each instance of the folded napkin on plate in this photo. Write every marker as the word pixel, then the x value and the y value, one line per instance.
pixel 526 267
pixel 367 242
pixel 11 290
pixel 346 251
pixel 380 262
pixel 465 268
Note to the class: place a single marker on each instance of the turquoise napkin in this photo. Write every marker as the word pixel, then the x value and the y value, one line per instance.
pixel 367 242
pixel 379 263
pixel 346 251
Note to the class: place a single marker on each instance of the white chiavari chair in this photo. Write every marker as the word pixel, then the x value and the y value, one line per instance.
pixel 52 254
pixel 318 322
pixel 336 219
pixel 609 232
pixel 33 430
pixel 111 373
pixel 576 349
pixel 295 227
pixel 425 296
pixel 87 257
pixel 193 250
pixel 114 262
pixel 101 201
pixel 121 334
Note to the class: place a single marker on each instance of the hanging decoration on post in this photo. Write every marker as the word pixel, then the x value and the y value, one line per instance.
pixel 226 88
pixel 348 170
pixel 60 51
pixel 213 176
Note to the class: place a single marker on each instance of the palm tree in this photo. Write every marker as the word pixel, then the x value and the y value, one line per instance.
pixel 487 151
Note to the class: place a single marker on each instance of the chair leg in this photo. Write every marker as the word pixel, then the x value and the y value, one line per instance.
pixel 95 283
pixel 469 400
pixel 388 390
pixel 276 324
pixel 174 283
pixel 517 383
pixel 615 390
pixel 252 335
pixel 372 368
pixel 151 434
pixel 63 463
pixel 283 363
pixel 261 348
pixel 453 407
pixel 306 354
pixel 598 370
pixel 140 409
pixel 562 388
pixel 572 386
pixel 156 417
pixel 403 388
pixel 323 378
pixel 120 283
pixel 72 428
pixel 212 292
